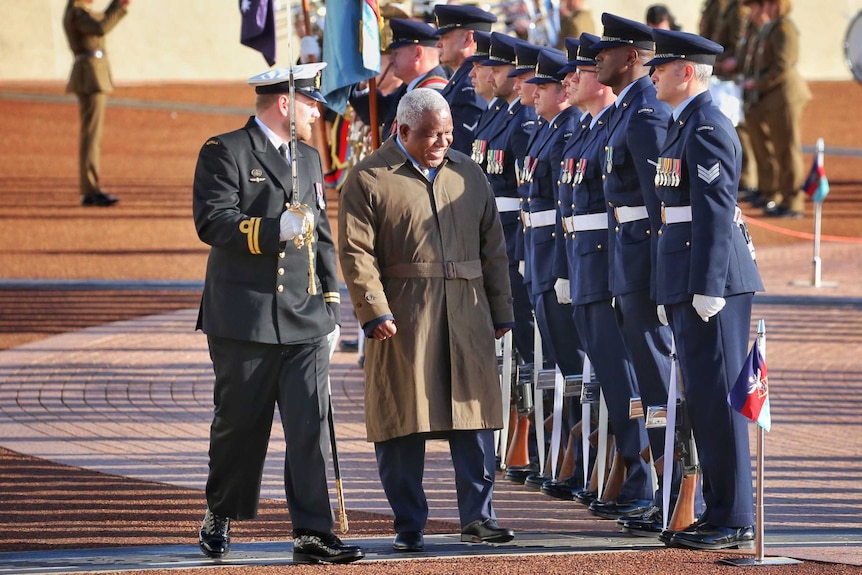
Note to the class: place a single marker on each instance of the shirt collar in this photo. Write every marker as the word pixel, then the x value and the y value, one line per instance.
pixel 270 135
pixel 623 93
pixel 677 112
pixel 429 173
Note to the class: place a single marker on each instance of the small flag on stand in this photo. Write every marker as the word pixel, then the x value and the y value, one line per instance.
pixel 750 393
pixel 816 185
pixel 258 27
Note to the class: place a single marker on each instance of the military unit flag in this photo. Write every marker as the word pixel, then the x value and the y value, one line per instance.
pixel 258 27
pixel 816 185
pixel 750 394
pixel 352 50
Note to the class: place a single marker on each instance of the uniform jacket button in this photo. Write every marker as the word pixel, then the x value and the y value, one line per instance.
pixel 279 289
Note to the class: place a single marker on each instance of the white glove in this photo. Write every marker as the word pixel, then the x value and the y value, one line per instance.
pixel 522 267
pixel 309 49
pixel 662 314
pixel 291 226
pixel 561 287
pixel 332 339
pixel 707 306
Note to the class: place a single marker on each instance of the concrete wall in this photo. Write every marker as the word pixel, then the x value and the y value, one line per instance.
pixel 196 40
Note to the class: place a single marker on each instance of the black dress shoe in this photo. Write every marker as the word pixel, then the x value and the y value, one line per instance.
pixel 564 489
pixel 585 496
pixel 348 345
pixel 666 536
pixel 713 537
pixel 99 199
pixel 536 480
pixel 214 537
pixel 409 541
pixel 315 547
pixel 617 508
pixel 647 524
pixel 519 474
pixel 486 531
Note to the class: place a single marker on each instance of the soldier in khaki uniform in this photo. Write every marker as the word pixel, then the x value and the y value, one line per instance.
pixel 574 21
pixel 91 81
pixel 778 95
pixel 736 64
pixel 709 18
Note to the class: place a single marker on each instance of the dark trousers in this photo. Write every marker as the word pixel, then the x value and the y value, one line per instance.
pixel 604 345
pixel 522 334
pixel 559 334
pixel 648 344
pixel 250 379
pixel 401 464
pixel 711 355
pixel 92 111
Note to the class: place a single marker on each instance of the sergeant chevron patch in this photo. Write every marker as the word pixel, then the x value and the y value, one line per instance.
pixel 708 175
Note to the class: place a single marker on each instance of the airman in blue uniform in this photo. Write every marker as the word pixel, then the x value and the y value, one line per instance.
pixel 506 145
pixel 480 77
pixel 540 170
pixel 705 279
pixel 587 243
pixel 456 29
pixel 415 60
pixel 636 128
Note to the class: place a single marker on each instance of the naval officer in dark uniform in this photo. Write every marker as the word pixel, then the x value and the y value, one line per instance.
pixel 636 129
pixel 267 313
pixel 456 27
pixel 705 283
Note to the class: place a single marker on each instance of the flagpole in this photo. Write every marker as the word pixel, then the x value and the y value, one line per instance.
pixel 818 214
pixel 759 558
pixel 761 448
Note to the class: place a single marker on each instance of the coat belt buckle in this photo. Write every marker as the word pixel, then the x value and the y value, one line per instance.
pixel 449 270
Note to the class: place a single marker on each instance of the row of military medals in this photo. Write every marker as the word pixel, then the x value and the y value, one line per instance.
pixel 494 158
pixel 525 175
pixel 668 172
pixel 572 175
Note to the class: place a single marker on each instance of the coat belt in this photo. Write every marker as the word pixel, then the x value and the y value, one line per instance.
pixel 539 219
pixel 450 270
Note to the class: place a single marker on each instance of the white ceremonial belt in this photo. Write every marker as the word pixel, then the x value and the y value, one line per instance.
pixel 542 219
pixel 508 204
pixel 587 222
pixel 626 214
pixel 676 214
pixel 569 224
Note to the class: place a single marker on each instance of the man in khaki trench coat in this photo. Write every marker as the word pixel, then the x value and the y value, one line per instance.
pixel 424 258
pixel 91 82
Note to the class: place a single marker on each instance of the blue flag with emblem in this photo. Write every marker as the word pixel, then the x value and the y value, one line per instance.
pixel 258 27
pixel 351 48
pixel 816 185
pixel 750 394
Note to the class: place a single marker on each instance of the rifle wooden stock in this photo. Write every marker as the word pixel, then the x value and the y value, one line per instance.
pixel 567 467
pixel 616 478
pixel 683 511
pixel 519 454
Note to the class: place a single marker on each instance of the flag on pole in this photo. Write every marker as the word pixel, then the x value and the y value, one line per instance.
pixel 258 27
pixel 816 185
pixel 750 394
pixel 351 48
